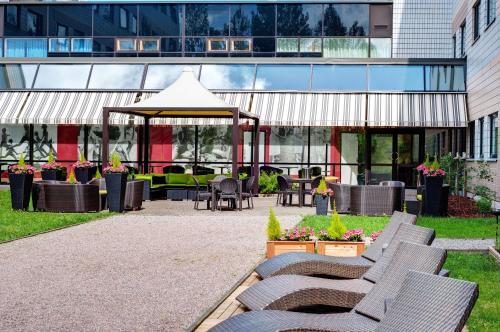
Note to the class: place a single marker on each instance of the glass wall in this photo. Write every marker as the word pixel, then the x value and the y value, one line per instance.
pixel 289 145
pixel 62 76
pixel 161 76
pixel 13 76
pixel 122 140
pixel 396 78
pixel 116 77
pixel 214 146
pixel 183 145
pixel 283 77
pixel 339 78
pixel 238 77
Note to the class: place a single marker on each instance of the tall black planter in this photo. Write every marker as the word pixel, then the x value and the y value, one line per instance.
pixel 85 174
pixel 321 204
pixel 116 184
pixel 433 193
pixel 54 174
pixel 20 190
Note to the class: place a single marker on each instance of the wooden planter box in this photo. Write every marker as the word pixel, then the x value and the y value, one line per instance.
pixel 280 247
pixel 340 248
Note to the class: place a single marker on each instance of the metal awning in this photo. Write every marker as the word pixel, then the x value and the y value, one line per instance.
pixel 74 107
pixel 310 109
pixel 417 110
pixel 237 99
pixel 11 104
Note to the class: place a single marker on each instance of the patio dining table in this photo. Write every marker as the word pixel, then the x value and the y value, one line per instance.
pixel 302 187
pixel 213 187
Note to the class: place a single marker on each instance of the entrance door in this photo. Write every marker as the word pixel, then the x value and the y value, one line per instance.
pixel 394 156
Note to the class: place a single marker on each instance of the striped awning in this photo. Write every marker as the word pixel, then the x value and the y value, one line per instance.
pixel 239 99
pixel 310 109
pixel 74 107
pixel 417 110
pixel 11 104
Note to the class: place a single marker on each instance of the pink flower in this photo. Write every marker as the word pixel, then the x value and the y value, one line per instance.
pixel 52 165
pixel 26 169
pixel 353 235
pixel 83 164
pixel 375 235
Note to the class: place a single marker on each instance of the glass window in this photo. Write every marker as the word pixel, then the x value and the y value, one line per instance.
pixel 472 137
pixel 477 19
pixel 218 20
pixel 264 45
pixel 438 78
pixel 14 141
pixel 160 20
pixel 481 138
pixel 26 47
pixel 161 76
pixel 228 76
pixel 458 78
pixel 252 20
pixel 25 20
pixel 103 45
pixel 320 146
pixel 339 77
pixel 490 11
pixel 288 145
pixel 123 140
pixel 241 45
pixel 73 20
pixel 62 77
pixel 380 47
pixel 346 20
pixel 396 78
pixel 126 44
pixel 81 45
pixel 149 45
pixel 214 144
pixel 493 135
pixel 299 20
pixel 287 45
pixel 17 76
pixel 115 20
pixel 196 20
pixel 462 38
pixel 171 45
pixel 217 45
pixel 105 76
pixel 58 45
pixel 195 45
pixel 283 77
pixel 310 45
pixel 345 47
pixel 183 144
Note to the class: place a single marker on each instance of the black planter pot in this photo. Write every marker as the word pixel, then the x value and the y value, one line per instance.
pixel 85 174
pixel 116 185
pixel 54 174
pixel 20 190
pixel 433 194
pixel 321 204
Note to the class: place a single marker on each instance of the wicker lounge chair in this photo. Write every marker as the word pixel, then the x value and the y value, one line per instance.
pixel 423 302
pixel 288 292
pixel 344 267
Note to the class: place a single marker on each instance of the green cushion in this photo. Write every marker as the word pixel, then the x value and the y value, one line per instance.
pixel 190 181
pixel 177 178
pixel 144 177
pixel 202 179
pixel 211 176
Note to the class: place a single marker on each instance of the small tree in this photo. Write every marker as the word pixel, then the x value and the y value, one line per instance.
pixel 273 227
pixel 82 158
pixel 336 229
pixel 98 174
pixel 51 158
pixel 72 178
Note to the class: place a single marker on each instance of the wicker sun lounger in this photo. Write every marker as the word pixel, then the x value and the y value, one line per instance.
pixel 423 302
pixel 343 267
pixel 290 292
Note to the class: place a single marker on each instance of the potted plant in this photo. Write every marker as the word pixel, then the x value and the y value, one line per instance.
pixel 338 241
pixel 84 170
pixel 53 170
pixel 433 183
pixel 116 183
pixel 322 197
pixel 295 240
pixel 21 182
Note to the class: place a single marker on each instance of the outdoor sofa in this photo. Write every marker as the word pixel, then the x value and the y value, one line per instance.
pixel 341 267
pixel 422 302
pixel 171 185
pixel 409 250
pixel 58 196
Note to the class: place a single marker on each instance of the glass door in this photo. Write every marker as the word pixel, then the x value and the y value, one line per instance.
pixel 407 158
pixel 381 150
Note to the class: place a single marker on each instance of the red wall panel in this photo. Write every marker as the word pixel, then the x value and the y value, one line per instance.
pixel 67 143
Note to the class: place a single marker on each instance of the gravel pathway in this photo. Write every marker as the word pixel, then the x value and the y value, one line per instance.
pixel 130 272
pixel 464 244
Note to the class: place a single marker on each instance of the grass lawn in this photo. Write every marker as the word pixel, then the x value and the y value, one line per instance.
pixel 482 269
pixel 445 227
pixel 16 224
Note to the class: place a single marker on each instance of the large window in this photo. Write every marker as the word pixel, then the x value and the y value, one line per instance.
pixel 346 20
pixel 161 76
pixel 207 20
pixel 25 20
pixel 283 77
pixel 380 47
pixel 62 77
pixel 339 78
pixel 115 20
pixel 299 20
pixel 228 76
pixel 493 135
pixel 121 77
pixel 183 141
pixel 444 78
pixel 252 20
pixel 17 76
pixel 66 21
pixel 160 20
pixel 490 11
pixel 345 47
pixel 462 38
pixel 25 47
pixel 214 144
pixel 472 140
pixel 476 12
pixel 396 78
pixel 289 145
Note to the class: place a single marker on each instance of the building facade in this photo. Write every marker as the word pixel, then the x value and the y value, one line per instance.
pixel 361 88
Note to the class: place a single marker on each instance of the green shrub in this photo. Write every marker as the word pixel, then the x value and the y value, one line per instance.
pixel 72 178
pixel 484 205
pixel 273 227
pixel 485 192
pixel 336 229
pixel 268 184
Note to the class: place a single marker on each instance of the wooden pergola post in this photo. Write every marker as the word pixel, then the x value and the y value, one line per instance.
pixel 256 146
pixel 105 137
pixel 146 145
pixel 236 140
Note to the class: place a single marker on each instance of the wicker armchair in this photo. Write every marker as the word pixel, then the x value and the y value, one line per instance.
pixel 341 196
pixel 248 193
pixel 133 195
pixel 375 200
pixel 228 191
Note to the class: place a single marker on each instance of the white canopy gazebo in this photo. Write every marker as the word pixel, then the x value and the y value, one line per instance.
pixel 185 98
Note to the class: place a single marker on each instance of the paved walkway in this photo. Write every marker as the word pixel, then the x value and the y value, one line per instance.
pixel 138 271
pixel 464 244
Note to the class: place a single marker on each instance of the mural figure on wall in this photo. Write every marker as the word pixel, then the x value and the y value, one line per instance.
pixel 183 144
pixel 122 139
pixel 13 142
pixel 44 143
